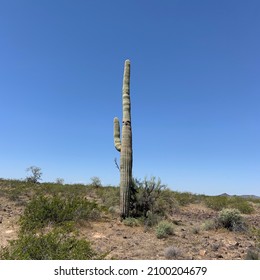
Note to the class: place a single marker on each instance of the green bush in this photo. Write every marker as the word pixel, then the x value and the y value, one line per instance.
pixel 216 202
pixel 166 204
pixel 209 225
pixel 145 195
pixel 43 210
pixel 163 229
pixel 241 204
pixel 231 219
pixel 256 233
pixel 151 219
pixel 185 198
pixel 16 189
pixel 54 189
pixel 109 196
pixel 131 222
pixel 55 245
pixel 220 202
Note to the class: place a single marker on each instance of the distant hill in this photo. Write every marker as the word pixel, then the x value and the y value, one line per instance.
pixel 224 194
pixel 243 196
pixel 250 196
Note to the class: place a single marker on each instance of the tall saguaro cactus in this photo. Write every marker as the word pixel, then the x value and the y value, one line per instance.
pixel 124 146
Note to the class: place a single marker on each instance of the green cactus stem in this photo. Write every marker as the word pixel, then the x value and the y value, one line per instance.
pixel 117 140
pixel 124 146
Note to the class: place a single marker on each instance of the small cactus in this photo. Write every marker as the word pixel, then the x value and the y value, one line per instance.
pixel 124 146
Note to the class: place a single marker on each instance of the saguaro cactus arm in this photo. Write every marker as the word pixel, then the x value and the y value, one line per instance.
pixel 117 141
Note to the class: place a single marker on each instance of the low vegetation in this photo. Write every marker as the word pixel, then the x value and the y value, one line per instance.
pixel 220 202
pixel 45 210
pixel 131 222
pixel 163 229
pixel 55 245
pixel 253 254
pixel 52 213
pixel 231 219
pixel 172 253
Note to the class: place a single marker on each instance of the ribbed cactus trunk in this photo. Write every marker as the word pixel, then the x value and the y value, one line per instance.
pixel 124 146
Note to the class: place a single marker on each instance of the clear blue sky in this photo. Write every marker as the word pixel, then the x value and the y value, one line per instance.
pixel 195 90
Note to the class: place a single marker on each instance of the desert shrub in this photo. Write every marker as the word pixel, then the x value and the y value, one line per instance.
pixel 114 211
pixel 253 254
pixel 55 245
pixel 109 196
pixel 256 234
pixel 196 230
pixel 216 202
pixel 16 189
pixel 144 195
pixel 209 225
pixel 215 246
pixel 256 206
pixel 172 253
pixel 65 190
pixel 163 229
pixel 43 210
pixel 151 219
pixel 131 222
pixel 231 219
pixel 220 202
pixel 166 204
pixel 241 204
pixel 185 198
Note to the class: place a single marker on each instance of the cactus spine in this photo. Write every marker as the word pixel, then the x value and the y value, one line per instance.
pixel 124 146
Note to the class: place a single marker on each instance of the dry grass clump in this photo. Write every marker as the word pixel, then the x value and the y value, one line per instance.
pixel 172 253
